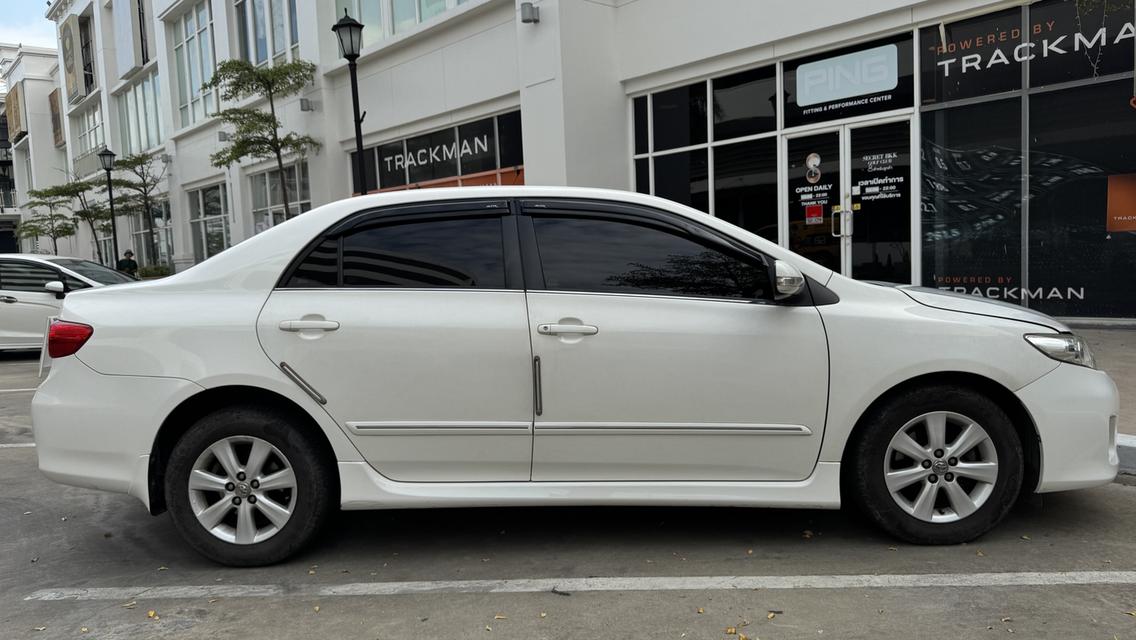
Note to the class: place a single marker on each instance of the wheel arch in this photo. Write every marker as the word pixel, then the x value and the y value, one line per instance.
pixel 1019 416
pixel 208 401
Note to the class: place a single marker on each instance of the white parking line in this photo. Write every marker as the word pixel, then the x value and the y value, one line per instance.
pixel 18 445
pixel 572 585
pixel 17 390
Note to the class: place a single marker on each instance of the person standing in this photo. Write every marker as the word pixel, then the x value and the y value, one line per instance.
pixel 127 264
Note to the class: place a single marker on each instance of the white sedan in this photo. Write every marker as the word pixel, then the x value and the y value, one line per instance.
pixel 554 346
pixel 31 288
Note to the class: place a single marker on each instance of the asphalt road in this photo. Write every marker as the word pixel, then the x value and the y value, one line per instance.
pixel 83 564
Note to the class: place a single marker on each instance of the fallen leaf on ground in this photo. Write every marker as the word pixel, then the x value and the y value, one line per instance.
pixel 163 568
pixel 39 628
pixel 130 605
pixel 893 548
pixel 749 552
pixel 151 614
pixel 806 534
pixel 980 554
pixel 731 631
pixel 212 600
pixel 35 559
pixel 311 572
pixel 1026 538
pixel 27 513
pixel 316 608
pixel 543 614
pixel 488 628
pixel 1007 619
pixel 83 629
pixel 771 616
pixel 701 610
pixel 742 636
pixel 500 616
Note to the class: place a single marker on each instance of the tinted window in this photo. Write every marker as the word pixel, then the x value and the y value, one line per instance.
pixel 509 139
pixel 610 256
pixel 320 268
pixel 680 116
pixel 93 270
pixel 25 276
pixel 682 177
pixel 437 253
pixel 745 103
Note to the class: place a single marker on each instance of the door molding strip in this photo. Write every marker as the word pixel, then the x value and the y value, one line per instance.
pixel 438 428
pixel 671 428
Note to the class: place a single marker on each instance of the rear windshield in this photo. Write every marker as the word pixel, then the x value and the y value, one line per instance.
pixel 93 270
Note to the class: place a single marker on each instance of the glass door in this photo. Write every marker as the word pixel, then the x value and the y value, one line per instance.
pixel 850 199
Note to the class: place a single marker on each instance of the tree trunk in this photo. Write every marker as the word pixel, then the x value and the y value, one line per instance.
pixel 54 245
pixel 95 235
pixel 280 159
pixel 149 212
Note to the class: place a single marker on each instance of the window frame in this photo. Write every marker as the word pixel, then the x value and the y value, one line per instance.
pixel 198 224
pixel 417 213
pixel 244 14
pixel 625 213
pixel 192 100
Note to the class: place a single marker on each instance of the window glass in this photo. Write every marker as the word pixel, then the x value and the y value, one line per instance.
pixel 242 29
pixel 370 14
pixel 1078 39
pixel 1082 220
pixel 477 146
pixel 25 276
pixel 392 165
pixel 745 103
pixel 509 139
pixel 682 177
pixel 679 116
pixel 867 78
pixel 642 176
pixel 431 8
pixel 369 169
pixel 320 268
pixel 431 156
pixel 405 15
pixel 579 254
pixel 278 38
pixel 259 30
pixel 641 124
pixel 93 270
pixel 294 26
pixel 972 57
pixel 439 253
pixel 971 199
pixel 745 186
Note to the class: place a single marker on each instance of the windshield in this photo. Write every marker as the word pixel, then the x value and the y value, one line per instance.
pixel 93 270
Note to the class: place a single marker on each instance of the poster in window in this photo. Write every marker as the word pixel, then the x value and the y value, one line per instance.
pixel 975 57
pixel 72 58
pixel 15 111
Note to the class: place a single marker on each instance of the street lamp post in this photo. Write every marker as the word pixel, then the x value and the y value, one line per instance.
pixel 350 32
pixel 106 159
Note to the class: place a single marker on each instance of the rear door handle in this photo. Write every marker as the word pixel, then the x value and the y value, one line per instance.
pixel 8 299
pixel 561 329
pixel 308 325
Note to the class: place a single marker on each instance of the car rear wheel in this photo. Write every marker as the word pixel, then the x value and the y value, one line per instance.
pixel 938 465
pixel 246 486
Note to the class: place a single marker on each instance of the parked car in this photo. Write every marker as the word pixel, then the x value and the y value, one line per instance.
pixel 554 346
pixel 31 290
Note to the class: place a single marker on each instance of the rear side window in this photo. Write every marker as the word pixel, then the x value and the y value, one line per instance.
pixel 600 255
pixel 461 252
pixel 25 276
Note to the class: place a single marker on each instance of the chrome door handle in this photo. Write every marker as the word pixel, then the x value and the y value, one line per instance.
pixel 560 329
pixel 8 299
pixel 308 325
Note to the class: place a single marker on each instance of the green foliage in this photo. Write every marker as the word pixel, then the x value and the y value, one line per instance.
pixel 256 133
pixel 138 192
pixel 47 225
pixel 75 195
pixel 154 271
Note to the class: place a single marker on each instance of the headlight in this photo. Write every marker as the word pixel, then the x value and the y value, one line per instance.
pixel 1065 347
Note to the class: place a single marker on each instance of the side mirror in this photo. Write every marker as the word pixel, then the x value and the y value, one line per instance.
pixel 787 280
pixel 56 287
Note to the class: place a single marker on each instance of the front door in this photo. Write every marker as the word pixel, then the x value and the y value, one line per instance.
pixel 661 355
pixel 850 197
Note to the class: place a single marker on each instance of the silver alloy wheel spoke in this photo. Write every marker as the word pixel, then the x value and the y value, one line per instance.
pixel 959 499
pixel 897 480
pixel 980 471
pixel 971 437
pixel 904 444
pixel 232 496
pixel 930 490
pixel 201 480
pixel 282 479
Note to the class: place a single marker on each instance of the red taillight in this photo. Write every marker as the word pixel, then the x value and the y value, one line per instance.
pixel 65 338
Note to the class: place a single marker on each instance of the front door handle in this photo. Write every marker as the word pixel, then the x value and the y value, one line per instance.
pixel 8 299
pixel 561 329
pixel 308 325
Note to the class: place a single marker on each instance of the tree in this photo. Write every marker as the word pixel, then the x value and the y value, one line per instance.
pixel 256 134
pixel 94 214
pixel 53 224
pixel 140 192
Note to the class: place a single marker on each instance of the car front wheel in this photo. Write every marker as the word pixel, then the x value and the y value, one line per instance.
pixel 939 465
pixel 245 486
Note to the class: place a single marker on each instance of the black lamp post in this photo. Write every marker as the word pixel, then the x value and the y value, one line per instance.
pixel 350 34
pixel 106 159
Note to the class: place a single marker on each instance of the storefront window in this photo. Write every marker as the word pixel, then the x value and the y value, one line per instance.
pixel 745 185
pixel 745 103
pixel 974 57
pixel 682 177
pixel 267 201
pixel 209 221
pixel 1082 218
pixel 972 181
pixel 679 116
pixel 1074 40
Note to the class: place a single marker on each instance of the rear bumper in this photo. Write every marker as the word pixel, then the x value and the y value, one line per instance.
pixel 96 431
pixel 1075 410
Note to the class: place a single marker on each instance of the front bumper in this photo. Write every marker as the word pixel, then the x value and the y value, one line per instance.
pixel 1075 411
pixel 96 431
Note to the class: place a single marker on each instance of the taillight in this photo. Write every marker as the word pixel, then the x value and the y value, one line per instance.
pixel 65 338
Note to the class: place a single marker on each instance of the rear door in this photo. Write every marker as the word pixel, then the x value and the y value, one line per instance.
pixel 411 323
pixel 24 304
pixel 661 353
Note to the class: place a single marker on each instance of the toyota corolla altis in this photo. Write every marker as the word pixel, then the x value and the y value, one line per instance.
pixel 507 346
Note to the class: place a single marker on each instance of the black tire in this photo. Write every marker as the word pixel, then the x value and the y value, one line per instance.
pixel 316 494
pixel 865 480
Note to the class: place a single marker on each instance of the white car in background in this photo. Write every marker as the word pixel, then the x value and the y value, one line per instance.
pixel 512 346
pixel 33 286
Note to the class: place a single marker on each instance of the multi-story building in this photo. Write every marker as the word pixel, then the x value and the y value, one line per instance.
pixel 978 145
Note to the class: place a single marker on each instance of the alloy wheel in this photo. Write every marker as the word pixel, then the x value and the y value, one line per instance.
pixel 242 490
pixel 941 467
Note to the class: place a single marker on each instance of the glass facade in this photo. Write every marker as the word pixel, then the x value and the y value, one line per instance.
pixel 140 124
pixel 194 62
pixel 268 201
pixel 1007 171
pixel 209 221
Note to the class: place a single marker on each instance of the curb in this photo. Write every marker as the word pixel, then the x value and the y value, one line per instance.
pixel 1126 450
